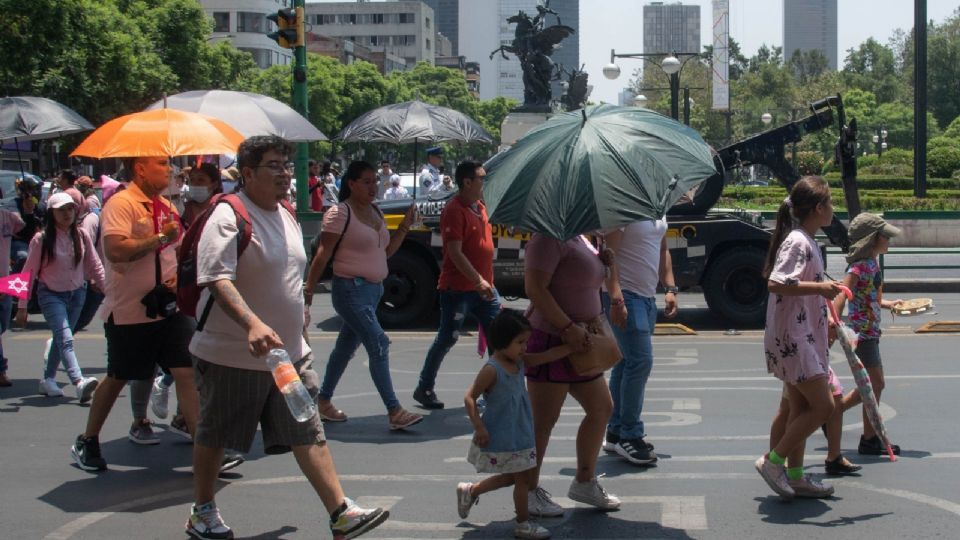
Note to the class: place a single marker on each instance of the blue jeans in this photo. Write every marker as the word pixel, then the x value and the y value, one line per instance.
pixel 356 300
pixel 454 308
pixel 89 311
pixel 61 311
pixel 6 307
pixel 628 379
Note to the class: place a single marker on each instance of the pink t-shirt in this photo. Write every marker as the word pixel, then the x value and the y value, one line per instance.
pixel 128 214
pixel 10 224
pixel 60 274
pixel 576 276
pixel 363 249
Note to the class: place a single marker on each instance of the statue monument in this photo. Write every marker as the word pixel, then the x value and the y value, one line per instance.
pixel 533 43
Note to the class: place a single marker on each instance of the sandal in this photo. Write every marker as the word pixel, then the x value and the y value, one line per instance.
pixel 402 418
pixel 841 466
pixel 330 413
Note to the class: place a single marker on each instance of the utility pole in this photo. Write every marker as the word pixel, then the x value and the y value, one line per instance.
pixel 920 99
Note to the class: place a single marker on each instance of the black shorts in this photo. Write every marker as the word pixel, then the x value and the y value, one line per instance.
pixel 134 350
pixel 868 350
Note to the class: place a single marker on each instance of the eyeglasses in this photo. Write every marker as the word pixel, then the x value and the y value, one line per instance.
pixel 277 168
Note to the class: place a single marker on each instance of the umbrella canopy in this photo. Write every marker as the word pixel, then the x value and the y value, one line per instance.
pixel 250 114
pixel 596 168
pixel 28 118
pixel 162 132
pixel 411 122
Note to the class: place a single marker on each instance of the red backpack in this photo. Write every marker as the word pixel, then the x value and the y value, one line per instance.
pixel 188 291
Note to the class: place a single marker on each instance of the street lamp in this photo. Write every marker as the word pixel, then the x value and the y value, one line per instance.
pixel 671 65
pixel 880 140
pixel 766 118
pixel 640 100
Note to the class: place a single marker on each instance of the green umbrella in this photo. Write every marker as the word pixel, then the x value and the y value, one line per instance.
pixel 596 168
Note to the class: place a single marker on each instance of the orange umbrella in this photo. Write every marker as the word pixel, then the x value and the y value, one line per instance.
pixel 160 132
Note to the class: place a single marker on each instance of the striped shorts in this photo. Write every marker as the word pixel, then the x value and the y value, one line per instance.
pixel 234 401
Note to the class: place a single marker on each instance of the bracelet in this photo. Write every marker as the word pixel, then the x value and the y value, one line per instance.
pixel 671 289
pixel 617 302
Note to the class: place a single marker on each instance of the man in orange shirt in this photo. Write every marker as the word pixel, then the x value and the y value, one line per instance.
pixel 466 278
pixel 143 329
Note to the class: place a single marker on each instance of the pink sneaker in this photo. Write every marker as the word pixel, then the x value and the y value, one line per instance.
pixel 775 476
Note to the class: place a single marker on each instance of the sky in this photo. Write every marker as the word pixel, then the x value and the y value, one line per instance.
pixel 604 26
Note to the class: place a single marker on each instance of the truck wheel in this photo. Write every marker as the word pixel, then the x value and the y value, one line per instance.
pixel 409 292
pixel 735 288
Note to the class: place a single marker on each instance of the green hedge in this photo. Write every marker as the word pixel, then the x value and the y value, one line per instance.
pixel 875 199
pixel 870 182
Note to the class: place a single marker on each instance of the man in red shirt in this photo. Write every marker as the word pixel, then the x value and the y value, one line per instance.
pixel 315 186
pixel 466 278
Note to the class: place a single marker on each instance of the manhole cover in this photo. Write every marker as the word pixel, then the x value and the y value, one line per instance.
pixel 942 327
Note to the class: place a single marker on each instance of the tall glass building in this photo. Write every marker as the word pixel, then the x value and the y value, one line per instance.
pixel 808 25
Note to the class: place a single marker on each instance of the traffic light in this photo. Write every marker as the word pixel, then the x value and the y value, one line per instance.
pixel 290 27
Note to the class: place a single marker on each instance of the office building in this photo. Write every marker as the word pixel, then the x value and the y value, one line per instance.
pixel 405 29
pixel 669 28
pixel 484 27
pixel 245 25
pixel 447 16
pixel 348 52
pixel 809 25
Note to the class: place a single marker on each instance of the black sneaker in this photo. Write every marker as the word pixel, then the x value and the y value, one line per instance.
pixel 231 459
pixel 86 452
pixel 874 447
pixel 840 467
pixel 610 442
pixel 427 399
pixel 636 451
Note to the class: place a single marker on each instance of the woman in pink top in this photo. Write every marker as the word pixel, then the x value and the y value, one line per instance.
pixel 562 280
pixel 362 247
pixel 62 257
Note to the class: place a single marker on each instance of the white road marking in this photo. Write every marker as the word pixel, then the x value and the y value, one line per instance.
pixel 373 501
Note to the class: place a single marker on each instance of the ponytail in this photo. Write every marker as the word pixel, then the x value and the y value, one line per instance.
pixel 782 229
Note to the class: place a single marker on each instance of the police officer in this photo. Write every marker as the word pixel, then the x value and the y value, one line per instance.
pixel 430 175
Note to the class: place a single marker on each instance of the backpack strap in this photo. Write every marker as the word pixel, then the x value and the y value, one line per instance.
pixel 245 232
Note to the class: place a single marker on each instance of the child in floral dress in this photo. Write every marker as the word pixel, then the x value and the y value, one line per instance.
pixel 503 440
pixel 795 338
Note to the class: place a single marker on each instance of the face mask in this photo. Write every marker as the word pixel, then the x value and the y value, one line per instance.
pixel 199 194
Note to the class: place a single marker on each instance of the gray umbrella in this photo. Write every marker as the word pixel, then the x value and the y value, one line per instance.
pixel 414 122
pixel 250 114
pixel 29 118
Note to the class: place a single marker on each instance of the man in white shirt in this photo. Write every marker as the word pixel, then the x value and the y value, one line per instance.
pixel 643 260
pixel 384 176
pixel 430 175
pixel 258 306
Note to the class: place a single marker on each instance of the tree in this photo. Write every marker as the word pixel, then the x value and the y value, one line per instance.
pixel 809 64
pixel 738 62
pixel 765 55
pixel 943 64
pixel 872 67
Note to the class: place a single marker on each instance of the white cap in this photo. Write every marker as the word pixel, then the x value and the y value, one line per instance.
pixel 58 200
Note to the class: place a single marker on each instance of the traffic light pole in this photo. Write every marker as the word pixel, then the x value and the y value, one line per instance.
pixel 300 104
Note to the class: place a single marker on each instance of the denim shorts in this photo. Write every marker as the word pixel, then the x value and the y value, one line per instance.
pixel 868 350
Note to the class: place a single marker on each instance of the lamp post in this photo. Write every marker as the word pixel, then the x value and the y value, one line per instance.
pixel 880 140
pixel 671 65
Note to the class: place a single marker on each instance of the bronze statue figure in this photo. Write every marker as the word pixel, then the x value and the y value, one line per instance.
pixel 533 43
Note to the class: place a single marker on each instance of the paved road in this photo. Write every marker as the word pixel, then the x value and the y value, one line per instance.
pixel 708 410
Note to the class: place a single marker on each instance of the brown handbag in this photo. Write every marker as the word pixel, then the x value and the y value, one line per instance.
pixel 604 352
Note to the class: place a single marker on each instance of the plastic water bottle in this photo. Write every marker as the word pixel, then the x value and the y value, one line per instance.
pixel 301 405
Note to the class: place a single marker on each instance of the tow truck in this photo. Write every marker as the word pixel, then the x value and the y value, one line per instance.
pixel 721 252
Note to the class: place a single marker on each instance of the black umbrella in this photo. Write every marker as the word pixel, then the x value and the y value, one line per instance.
pixel 414 121
pixel 28 118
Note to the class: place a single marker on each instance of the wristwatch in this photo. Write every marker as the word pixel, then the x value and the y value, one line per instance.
pixel 672 289
pixel 163 239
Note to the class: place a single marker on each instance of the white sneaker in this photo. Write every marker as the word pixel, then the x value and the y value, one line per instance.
pixel 85 388
pixel 49 388
pixel 160 398
pixel 529 529
pixel 465 499
pixel 540 504
pixel 592 493
pixel 810 488
pixel 775 476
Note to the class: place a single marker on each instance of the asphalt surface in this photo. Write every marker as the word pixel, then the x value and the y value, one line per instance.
pixel 708 410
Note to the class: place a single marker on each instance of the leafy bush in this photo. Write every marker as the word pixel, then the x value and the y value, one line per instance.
pixel 809 163
pixel 941 142
pixel 896 156
pixel 943 160
pixel 886 169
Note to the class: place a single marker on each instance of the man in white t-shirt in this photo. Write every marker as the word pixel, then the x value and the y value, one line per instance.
pixel 258 306
pixel 643 260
